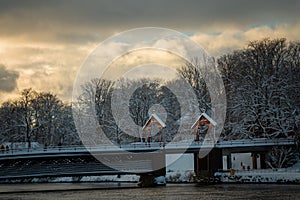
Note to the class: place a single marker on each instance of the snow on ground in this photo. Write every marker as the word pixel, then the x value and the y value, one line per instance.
pixel 180 177
pixel 260 177
pixel 283 175
pixel 113 178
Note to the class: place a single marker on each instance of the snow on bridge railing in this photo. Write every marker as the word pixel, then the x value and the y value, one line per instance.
pixel 257 142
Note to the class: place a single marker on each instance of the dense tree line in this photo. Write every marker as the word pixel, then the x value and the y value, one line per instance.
pixel 37 117
pixel 262 86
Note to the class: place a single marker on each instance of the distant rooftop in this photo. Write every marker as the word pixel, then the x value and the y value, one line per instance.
pixel 157 119
pixel 213 122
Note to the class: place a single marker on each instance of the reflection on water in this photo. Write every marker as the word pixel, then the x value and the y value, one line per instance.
pixel 130 191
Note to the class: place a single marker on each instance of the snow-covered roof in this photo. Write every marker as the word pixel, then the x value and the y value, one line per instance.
pixel 157 119
pixel 213 122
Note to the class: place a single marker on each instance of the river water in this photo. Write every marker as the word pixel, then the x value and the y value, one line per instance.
pixel 74 191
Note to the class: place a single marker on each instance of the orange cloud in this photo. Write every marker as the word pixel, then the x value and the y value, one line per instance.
pixel 234 38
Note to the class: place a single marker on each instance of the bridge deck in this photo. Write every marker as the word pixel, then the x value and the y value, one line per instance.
pixel 179 147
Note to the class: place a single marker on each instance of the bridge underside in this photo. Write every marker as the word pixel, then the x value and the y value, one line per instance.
pixel 84 165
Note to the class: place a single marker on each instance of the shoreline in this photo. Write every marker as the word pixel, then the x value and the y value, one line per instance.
pixel 82 187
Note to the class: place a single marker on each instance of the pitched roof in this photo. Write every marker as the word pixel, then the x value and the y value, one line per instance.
pixel 213 122
pixel 157 119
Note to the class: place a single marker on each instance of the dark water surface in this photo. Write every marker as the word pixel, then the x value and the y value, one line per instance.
pixel 74 191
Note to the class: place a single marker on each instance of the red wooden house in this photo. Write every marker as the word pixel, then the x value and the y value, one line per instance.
pixel 201 126
pixel 154 122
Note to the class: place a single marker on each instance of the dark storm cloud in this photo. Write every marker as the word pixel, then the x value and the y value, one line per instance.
pixel 105 16
pixel 8 79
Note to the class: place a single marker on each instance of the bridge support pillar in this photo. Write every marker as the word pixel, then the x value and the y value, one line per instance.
pixel 263 161
pixel 159 170
pixel 207 166
pixel 159 164
pixel 229 163
pixel 254 160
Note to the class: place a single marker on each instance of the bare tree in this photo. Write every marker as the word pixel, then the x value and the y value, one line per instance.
pixel 281 157
pixel 191 73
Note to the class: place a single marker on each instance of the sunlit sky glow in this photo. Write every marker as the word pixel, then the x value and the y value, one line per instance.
pixel 43 43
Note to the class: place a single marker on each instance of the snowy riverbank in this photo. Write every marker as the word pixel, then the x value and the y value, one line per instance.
pixel 284 175
pixel 171 177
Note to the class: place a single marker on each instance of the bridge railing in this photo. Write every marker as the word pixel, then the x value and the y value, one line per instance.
pixel 78 148
pixel 49 149
pixel 257 141
pixel 152 145
pixel 102 147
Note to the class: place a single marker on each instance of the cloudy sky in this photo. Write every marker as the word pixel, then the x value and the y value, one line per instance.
pixel 43 43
